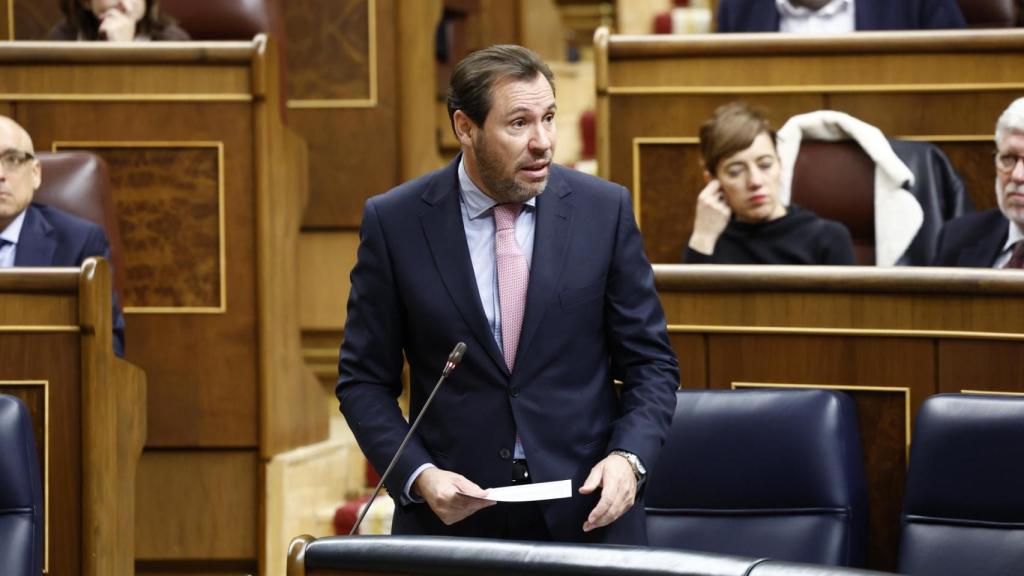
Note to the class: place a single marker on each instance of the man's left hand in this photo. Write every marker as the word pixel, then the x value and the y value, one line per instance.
pixel 614 476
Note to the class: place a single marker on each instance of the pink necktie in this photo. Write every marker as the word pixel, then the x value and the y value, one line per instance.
pixel 1016 259
pixel 513 278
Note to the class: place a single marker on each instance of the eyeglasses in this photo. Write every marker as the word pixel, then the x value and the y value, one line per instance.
pixel 12 160
pixel 1007 161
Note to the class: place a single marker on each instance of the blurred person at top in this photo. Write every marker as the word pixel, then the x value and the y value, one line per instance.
pixel 115 21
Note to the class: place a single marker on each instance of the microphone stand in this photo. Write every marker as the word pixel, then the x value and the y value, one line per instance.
pixel 453 360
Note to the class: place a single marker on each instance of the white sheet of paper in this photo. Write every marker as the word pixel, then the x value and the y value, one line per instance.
pixel 530 492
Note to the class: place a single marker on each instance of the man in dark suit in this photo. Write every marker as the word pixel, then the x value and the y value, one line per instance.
pixel 776 15
pixel 37 235
pixel 540 270
pixel 994 238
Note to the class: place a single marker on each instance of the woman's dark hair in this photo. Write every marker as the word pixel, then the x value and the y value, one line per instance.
pixel 84 21
pixel 470 87
pixel 731 129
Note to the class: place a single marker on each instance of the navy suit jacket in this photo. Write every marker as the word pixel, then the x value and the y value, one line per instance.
pixel 973 240
pixel 50 237
pixel 763 15
pixel 592 315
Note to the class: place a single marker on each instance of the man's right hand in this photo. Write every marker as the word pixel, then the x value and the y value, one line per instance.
pixel 446 494
pixel 116 26
pixel 712 217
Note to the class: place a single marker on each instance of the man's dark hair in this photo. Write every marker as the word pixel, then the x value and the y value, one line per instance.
pixel 470 87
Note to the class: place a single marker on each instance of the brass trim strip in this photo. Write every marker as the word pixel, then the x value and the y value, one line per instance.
pixel 10 19
pixel 46 464
pixel 40 328
pixel 219 146
pixel 105 97
pixel 992 393
pixel 369 102
pixel 948 138
pixel 816 89
pixel 882 332
pixel 890 389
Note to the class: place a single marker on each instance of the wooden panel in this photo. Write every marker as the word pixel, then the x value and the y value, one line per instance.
pixel 38 309
pixel 54 359
pixel 329 49
pixel 353 152
pixel 33 19
pixel 197 505
pixel 6 26
pixel 692 352
pixel 168 201
pixel 203 391
pixel 23 81
pixel 967 365
pixel 325 260
pixel 846 362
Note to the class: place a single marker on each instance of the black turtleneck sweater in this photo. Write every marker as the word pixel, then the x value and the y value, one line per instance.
pixel 799 237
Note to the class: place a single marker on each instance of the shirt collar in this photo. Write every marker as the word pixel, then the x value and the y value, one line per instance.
pixel 478 203
pixel 1015 235
pixel 13 230
pixel 828 10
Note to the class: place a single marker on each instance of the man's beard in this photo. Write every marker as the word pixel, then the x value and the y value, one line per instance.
pixel 503 189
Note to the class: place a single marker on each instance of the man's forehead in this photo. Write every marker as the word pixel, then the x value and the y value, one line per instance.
pixel 510 93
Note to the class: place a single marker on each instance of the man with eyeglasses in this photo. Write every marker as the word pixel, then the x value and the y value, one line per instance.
pixel 33 234
pixel 994 238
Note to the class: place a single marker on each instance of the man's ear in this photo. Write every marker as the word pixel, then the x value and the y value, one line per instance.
pixel 37 174
pixel 465 128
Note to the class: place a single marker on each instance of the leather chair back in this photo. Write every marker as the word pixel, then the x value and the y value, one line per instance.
pixel 762 473
pixel 836 180
pixel 220 19
pixel 21 493
pixel 78 183
pixel 963 511
pixel 989 13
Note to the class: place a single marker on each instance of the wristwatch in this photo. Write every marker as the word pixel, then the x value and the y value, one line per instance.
pixel 638 469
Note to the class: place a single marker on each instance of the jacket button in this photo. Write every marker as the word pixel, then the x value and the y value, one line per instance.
pixel 505 453
pixel 513 391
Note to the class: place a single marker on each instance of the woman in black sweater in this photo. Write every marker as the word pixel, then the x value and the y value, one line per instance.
pixel 740 219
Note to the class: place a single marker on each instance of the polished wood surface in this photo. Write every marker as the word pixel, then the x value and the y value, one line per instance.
pixel 655 91
pixel 888 337
pixel 88 409
pixel 203 506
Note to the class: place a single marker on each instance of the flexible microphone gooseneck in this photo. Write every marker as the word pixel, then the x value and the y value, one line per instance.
pixel 453 360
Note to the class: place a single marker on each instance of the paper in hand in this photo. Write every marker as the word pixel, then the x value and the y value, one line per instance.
pixel 529 492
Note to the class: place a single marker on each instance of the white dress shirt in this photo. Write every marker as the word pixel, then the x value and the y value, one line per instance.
pixel 836 17
pixel 9 249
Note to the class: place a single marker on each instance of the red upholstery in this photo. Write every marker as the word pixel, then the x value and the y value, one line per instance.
pixel 78 183
pixel 990 13
pixel 836 180
pixel 220 19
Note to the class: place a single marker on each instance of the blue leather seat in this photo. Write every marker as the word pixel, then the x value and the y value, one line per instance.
pixel 963 511
pixel 762 473
pixel 21 493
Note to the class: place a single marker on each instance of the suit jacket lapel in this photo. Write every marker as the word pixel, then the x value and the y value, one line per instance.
pixel 36 244
pixel 446 238
pixel 554 218
pixel 986 250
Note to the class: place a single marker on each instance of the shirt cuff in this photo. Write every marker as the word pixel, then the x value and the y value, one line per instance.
pixel 407 494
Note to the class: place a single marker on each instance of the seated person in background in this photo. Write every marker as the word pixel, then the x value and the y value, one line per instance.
pixel 740 219
pixel 836 16
pixel 994 238
pixel 115 21
pixel 38 235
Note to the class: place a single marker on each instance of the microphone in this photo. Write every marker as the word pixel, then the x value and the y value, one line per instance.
pixel 449 366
